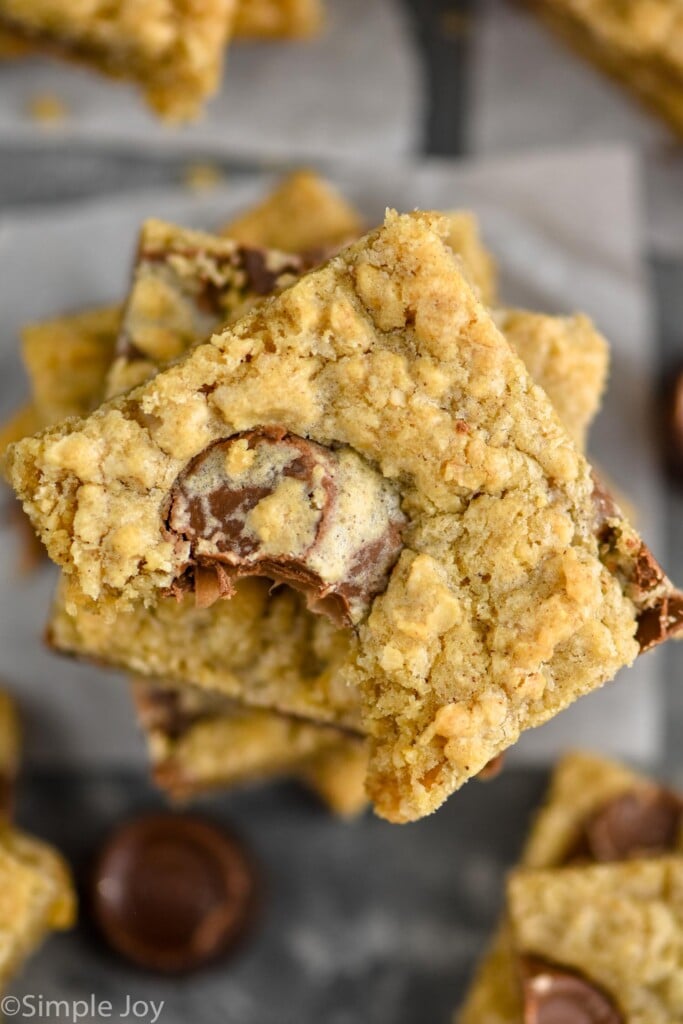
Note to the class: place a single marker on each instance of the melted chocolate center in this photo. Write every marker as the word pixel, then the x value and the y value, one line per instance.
pixel 269 503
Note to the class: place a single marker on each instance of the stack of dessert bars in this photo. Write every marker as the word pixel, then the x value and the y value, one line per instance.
pixel 347 532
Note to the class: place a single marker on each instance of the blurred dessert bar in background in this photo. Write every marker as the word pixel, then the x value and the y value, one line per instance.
pixel 637 42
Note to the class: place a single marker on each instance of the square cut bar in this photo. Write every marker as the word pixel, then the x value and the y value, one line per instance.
pixel 186 284
pixel 199 741
pixel 303 213
pixel 606 939
pixel 637 42
pixel 172 49
pixel 595 810
pixel 519 587
pixel 36 890
pixel 36 897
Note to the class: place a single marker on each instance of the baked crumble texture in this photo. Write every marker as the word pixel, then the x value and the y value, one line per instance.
pixel 500 610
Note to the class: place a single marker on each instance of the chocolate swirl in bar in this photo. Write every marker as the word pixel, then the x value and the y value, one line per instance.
pixel 269 503
pixel 555 995
pixel 658 603
pixel 221 284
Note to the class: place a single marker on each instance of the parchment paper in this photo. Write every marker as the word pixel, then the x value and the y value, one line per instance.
pixel 341 95
pixel 529 89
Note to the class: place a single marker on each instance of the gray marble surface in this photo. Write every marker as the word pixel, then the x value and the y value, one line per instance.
pixel 358 923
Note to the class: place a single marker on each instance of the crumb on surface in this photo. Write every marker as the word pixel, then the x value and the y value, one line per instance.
pixel 47 108
pixel 202 177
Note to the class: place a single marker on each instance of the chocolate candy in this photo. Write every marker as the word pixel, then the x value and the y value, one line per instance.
pixel 642 822
pixel 556 996
pixel 659 605
pixel 172 892
pixel 269 503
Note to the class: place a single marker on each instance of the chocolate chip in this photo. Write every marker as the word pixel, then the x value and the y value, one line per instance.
pixel 642 822
pixel 172 892
pixel 554 995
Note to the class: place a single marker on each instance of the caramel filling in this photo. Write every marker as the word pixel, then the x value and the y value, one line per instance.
pixel 269 503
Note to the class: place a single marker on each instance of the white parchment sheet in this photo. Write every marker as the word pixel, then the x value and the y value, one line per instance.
pixel 354 92
pixel 565 229
pixel 529 89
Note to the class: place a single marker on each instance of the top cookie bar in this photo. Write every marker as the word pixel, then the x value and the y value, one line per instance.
pixel 173 49
pixel 370 412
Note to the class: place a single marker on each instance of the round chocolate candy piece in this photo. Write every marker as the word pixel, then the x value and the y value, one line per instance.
pixel 639 823
pixel 172 892
pixel 269 503
pixel 556 996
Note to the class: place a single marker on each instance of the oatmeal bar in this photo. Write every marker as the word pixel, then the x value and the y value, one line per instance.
pixel 373 401
pixel 275 19
pixel 36 897
pixel 200 741
pixel 173 49
pixel 568 357
pixel 36 892
pixel 595 810
pixel 66 359
pixel 303 213
pixel 637 42
pixel 601 943
pixel 186 284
